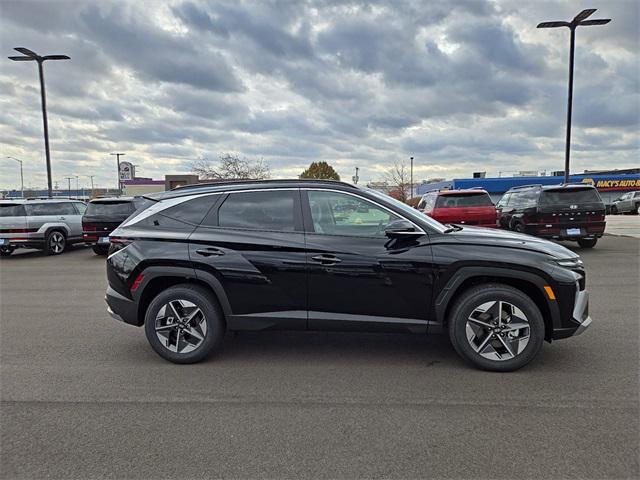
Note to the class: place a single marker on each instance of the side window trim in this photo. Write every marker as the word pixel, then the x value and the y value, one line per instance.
pixel 308 220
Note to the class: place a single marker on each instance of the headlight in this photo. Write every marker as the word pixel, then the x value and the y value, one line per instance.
pixel 570 262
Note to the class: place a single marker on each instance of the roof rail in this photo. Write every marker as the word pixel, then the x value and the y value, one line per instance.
pixel 527 186
pixel 248 182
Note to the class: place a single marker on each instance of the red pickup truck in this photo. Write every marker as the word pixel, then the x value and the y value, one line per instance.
pixel 466 207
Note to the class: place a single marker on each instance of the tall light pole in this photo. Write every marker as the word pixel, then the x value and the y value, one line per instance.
pixel 578 21
pixel 118 155
pixel 411 177
pixel 356 177
pixel 30 56
pixel 21 175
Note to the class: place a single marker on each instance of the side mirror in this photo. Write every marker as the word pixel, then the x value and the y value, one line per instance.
pixel 399 228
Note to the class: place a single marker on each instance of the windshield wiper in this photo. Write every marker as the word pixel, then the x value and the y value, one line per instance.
pixel 452 227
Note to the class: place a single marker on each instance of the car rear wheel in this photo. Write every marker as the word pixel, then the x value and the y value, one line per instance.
pixel 614 210
pixel 587 242
pixel 6 251
pixel 100 250
pixel 184 325
pixel 518 227
pixel 55 243
pixel 496 327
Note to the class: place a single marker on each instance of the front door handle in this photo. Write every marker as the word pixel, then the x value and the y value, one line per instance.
pixel 326 259
pixel 210 252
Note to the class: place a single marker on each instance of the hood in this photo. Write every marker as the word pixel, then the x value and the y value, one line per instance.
pixel 495 237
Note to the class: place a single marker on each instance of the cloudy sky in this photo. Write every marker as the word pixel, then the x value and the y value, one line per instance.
pixel 461 85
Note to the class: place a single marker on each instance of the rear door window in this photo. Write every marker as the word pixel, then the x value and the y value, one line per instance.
pixel 272 210
pixel 12 210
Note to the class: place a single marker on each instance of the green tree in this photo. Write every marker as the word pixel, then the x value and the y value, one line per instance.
pixel 320 171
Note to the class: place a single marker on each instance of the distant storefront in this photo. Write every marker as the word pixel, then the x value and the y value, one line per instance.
pixel 609 186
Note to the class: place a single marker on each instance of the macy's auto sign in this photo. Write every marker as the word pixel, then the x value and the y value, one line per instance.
pixel 614 183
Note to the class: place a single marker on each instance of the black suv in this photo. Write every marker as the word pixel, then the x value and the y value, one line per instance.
pixel 560 212
pixel 321 255
pixel 103 215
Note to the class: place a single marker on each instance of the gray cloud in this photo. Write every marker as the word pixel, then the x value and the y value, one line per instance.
pixel 461 85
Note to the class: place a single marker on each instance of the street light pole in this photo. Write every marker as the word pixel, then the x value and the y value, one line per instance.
pixel 118 155
pixel 21 175
pixel 578 20
pixel 32 56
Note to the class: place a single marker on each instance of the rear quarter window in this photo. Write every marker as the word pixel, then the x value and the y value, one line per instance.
pixel 12 210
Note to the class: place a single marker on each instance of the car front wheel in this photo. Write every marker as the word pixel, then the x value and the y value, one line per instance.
pixel 496 327
pixel 184 325
pixel 6 251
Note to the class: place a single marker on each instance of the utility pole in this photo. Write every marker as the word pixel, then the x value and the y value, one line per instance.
pixel 32 56
pixel 578 20
pixel 118 155
pixel 91 177
pixel 21 175
pixel 68 185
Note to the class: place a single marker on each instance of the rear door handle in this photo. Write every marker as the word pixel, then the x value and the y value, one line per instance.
pixel 326 259
pixel 210 252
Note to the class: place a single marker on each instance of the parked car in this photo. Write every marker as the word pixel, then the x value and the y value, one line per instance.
pixel 49 225
pixel 559 212
pixel 103 215
pixel 627 203
pixel 268 255
pixel 468 207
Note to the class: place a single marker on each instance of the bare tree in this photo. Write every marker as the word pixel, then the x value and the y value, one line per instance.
pixel 399 179
pixel 231 167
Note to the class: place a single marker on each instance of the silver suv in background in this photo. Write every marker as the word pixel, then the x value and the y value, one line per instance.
pixel 49 225
pixel 627 203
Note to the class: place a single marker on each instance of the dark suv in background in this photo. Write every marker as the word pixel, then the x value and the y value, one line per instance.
pixel 103 215
pixel 321 255
pixel 559 212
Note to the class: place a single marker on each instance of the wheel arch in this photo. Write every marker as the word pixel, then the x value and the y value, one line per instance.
pixel 529 283
pixel 157 279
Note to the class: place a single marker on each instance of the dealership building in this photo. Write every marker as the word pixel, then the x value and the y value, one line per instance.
pixel 610 185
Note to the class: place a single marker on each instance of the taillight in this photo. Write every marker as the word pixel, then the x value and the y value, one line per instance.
pixel 120 240
pixel 137 282
pixel 89 228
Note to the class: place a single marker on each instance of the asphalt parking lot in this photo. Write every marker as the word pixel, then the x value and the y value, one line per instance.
pixel 84 396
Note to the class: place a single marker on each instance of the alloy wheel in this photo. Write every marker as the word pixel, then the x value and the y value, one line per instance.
pixel 181 326
pixel 498 330
pixel 56 242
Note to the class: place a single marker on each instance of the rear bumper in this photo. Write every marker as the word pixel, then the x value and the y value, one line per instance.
pixel 121 308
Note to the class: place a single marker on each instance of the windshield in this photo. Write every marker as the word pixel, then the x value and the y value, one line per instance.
pixel 109 208
pixel 464 200
pixel 12 210
pixel 569 196
pixel 409 212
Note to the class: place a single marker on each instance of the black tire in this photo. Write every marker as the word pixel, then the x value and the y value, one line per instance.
pixel 98 250
pixel 636 209
pixel 213 316
pixel 518 227
pixel 614 210
pixel 55 242
pixel 470 300
pixel 6 251
pixel 587 242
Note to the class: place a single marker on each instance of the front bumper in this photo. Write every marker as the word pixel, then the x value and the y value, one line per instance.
pixel 580 319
